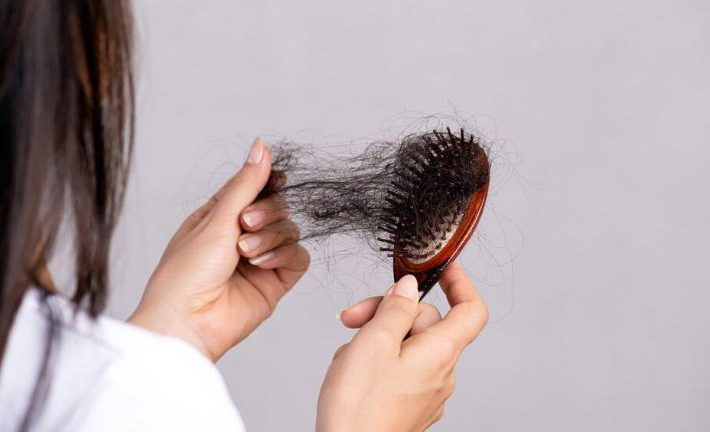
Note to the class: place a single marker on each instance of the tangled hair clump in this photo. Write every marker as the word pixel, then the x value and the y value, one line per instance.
pixel 419 176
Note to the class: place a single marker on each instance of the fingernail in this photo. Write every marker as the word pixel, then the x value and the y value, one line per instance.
pixel 261 259
pixel 406 287
pixel 253 218
pixel 339 315
pixel 250 242
pixel 257 152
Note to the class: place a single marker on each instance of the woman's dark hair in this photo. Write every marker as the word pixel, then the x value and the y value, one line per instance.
pixel 66 131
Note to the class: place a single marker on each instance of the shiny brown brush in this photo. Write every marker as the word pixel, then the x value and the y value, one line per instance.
pixel 434 204
pixel 428 272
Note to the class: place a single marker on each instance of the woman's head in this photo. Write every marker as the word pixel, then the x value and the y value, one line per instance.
pixel 66 121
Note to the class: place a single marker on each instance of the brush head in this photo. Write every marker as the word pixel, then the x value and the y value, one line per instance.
pixel 433 202
pixel 421 196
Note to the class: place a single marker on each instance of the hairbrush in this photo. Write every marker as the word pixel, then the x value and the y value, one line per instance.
pixel 419 199
pixel 433 203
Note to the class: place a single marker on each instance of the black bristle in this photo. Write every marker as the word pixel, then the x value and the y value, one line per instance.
pixel 388 229
pixel 397 195
pixel 432 185
pixel 386 240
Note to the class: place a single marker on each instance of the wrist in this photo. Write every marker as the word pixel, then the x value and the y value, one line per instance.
pixel 166 322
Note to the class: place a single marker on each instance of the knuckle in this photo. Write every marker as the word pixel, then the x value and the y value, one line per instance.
pixel 234 182
pixel 447 351
pixel 285 231
pixel 477 314
pixel 379 336
pixel 427 307
pixel 484 314
pixel 304 255
pixel 439 414
pixel 450 387
pixel 280 204
pixel 341 349
pixel 469 309
pixel 275 205
pixel 398 305
pixel 430 309
pixel 399 313
pixel 265 311
pixel 294 231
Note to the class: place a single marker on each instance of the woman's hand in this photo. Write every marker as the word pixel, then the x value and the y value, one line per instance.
pixel 381 381
pixel 227 266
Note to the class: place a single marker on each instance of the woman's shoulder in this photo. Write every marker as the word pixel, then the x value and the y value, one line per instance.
pixel 168 386
pixel 108 375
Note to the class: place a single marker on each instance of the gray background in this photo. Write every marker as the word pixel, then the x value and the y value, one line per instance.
pixel 594 247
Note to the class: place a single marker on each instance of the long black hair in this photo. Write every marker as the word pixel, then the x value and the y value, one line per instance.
pixel 66 132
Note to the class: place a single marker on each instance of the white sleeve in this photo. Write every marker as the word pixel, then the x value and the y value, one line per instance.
pixel 171 388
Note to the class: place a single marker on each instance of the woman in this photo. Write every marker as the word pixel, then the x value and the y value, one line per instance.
pixel 66 111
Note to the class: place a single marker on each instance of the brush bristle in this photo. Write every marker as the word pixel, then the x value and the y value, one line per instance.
pixel 435 175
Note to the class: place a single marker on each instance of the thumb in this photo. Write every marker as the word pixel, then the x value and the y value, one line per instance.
pixel 396 313
pixel 242 189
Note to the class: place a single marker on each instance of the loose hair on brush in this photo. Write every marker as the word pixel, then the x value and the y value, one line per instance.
pixel 406 197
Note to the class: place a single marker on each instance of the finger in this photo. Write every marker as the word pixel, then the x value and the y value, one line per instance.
pixel 259 289
pixel 449 385
pixel 457 286
pixel 427 316
pixel 468 314
pixel 360 314
pixel 289 262
pixel 264 212
pixel 272 284
pixel 243 188
pixel 394 316
pixel 340 350
pixel 274 235
pixel 438 415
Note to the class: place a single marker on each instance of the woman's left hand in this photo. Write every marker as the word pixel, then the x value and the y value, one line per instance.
pixel 227 266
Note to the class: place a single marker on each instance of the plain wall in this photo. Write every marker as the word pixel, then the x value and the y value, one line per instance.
pixel 593 252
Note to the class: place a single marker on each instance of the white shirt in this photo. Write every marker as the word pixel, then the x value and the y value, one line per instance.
pixel 107 375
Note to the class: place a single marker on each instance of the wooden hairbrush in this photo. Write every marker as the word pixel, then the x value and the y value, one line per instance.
pixel 433 203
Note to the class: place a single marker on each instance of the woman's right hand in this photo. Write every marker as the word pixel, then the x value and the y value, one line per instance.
pixel 382 382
